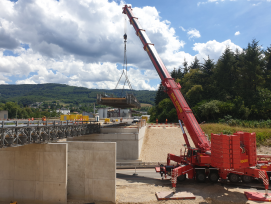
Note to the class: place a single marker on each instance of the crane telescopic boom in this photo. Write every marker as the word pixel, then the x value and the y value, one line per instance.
pixel 171 87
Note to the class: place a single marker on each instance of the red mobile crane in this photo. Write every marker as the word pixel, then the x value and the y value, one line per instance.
pixel 232 156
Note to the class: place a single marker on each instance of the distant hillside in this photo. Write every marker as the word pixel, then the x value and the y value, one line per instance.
pixel 65 93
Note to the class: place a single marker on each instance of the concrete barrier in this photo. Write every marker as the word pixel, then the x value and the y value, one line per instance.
pixel 129 141
pixel 35 173
pixel 92 171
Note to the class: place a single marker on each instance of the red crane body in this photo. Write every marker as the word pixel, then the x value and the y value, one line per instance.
pixel 198 162
pixel 172 88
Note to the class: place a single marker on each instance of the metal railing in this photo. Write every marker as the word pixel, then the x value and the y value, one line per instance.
pixel 21 132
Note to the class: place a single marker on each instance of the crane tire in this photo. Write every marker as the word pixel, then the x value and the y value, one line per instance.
pixel 234 178
pixel 246 179
pixel 181 177
pixel 213 176
pixel 200 176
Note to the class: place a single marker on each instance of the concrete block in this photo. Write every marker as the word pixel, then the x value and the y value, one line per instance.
pixel 75 161
pixel 54 192
pixel 105 163
pixel 89 190
pixel 6 190
pixel 55 147
pixel 101 146
pixel 26 165
pixel 76 185
pixel 7 164
pixel 39 191
pixel 54 169
pixel 89 168
pixel 24 190
pixel 104 190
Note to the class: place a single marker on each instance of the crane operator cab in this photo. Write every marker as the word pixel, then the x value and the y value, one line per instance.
pixel 190 154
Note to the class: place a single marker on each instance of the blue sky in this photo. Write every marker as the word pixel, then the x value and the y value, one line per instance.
pixel 80 42
pixel 216 20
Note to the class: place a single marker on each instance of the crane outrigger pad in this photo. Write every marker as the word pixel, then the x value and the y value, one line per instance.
pixel 256 196
pixel 129 101
pixel 169 195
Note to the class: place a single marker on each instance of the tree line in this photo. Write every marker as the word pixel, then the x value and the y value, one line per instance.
pixel 237 85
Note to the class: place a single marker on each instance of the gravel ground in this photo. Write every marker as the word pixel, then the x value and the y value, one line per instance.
pixel 159 141
pixel 139 192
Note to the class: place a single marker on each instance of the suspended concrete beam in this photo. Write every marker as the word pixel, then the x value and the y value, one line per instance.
pixel 129 101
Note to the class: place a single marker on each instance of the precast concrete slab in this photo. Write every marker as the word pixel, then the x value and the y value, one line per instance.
pixel 129 101
pixel 35 173
pixel 92 171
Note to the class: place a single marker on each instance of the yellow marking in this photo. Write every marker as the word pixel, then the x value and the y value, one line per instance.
pixel 138 34
pixel 264 167
pixel 147 49
pixel 244 161
pixel 176 103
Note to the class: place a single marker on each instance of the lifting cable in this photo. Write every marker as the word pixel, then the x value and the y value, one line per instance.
pixel 124 66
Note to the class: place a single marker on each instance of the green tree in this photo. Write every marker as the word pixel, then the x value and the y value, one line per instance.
pixel 252 72
pixel 225 74
pixel 195 64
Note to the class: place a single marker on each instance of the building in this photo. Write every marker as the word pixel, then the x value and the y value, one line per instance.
pixel 64 111
pixel 3 115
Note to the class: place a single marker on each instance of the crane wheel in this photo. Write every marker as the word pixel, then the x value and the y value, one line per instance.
pixel 181 177
pixel 200 176
pixel 246 179
pixel 213 177
pixel 234 178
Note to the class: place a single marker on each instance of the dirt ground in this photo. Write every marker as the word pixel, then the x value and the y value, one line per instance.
pixel 129 192
pixel 159 141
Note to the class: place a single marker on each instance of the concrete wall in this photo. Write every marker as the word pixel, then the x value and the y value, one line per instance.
pixel 129 140
pixel 35 173
pixel 92 171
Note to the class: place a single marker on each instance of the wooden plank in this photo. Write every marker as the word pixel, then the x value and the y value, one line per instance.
pixel 169 195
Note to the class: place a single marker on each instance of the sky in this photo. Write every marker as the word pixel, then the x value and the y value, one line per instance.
pixel 80 42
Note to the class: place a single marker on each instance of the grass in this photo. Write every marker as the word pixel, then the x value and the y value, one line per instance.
pixel 263 135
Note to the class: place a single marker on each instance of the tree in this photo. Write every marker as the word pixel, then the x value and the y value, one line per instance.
pixel 195 64
pixel 186 67
pixel 225 74
pixel 267 69
pixel 160 94
pixel 252 70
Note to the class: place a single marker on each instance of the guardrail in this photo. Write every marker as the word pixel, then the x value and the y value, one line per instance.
pixel 15 133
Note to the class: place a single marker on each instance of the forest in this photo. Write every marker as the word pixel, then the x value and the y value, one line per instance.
pixel 237 86
pixel 20 100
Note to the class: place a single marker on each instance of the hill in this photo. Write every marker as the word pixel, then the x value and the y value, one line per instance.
pixel 30 93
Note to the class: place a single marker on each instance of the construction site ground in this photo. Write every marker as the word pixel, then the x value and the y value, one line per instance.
pixel 159 141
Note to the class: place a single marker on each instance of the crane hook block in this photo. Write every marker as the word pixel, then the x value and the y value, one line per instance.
pixel 125 36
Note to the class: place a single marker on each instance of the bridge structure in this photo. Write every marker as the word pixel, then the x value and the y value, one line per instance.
pixel 22 132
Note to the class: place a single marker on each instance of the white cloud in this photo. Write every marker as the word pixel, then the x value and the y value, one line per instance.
pixel 182 28
pixel 214 49
pixel 193 33
pixel 80 43
pixel 211 1
pixel 237 33
pixel 257 4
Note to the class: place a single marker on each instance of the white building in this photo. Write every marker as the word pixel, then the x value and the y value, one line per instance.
pixel 64 111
